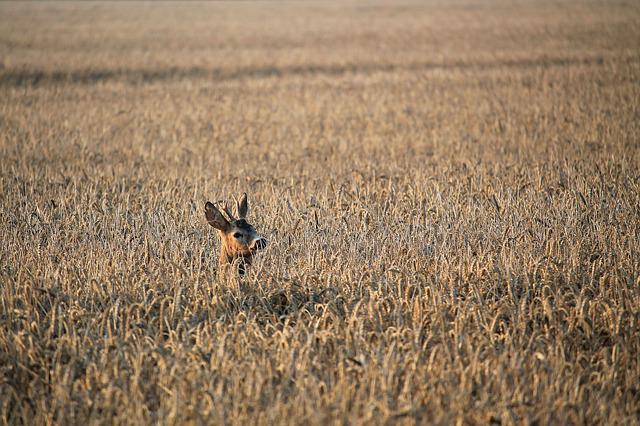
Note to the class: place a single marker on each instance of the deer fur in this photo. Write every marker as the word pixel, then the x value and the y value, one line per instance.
pixel 240 241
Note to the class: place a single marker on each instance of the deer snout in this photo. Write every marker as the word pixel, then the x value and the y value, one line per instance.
pixel 258 244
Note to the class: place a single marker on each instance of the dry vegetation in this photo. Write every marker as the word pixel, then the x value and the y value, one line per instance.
pixel 450 189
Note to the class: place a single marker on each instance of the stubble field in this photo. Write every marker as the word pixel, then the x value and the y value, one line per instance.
pixel 450 191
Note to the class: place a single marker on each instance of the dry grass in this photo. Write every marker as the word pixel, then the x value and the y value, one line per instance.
pixel 450 189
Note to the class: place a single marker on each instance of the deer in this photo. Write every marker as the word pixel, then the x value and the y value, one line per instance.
pixel 240 240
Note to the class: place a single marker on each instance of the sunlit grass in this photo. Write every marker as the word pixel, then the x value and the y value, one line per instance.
pixel 450 192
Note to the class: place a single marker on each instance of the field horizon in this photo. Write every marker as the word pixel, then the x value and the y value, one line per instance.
pixel 450 190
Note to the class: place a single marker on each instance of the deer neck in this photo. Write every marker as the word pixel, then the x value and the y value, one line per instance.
pixel 227 256
pixel 227 260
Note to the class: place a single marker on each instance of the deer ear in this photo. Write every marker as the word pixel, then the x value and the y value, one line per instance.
pixel 243 206
pixel 215 218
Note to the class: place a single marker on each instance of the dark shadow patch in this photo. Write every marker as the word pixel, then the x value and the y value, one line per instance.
pixel 27 77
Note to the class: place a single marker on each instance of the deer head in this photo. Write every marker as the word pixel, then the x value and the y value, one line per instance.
pixel 240 240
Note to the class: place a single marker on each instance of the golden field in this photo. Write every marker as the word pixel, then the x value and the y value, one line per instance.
pixel 450 189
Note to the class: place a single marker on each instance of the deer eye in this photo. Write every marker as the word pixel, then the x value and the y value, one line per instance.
pixel 237 235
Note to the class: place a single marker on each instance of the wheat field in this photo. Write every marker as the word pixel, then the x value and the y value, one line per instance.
pixel 450 190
